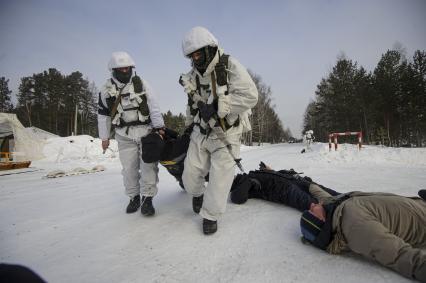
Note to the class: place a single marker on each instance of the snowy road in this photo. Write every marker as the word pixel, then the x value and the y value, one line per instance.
pixel 74 229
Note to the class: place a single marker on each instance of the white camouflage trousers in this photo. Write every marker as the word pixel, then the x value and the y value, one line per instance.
pixel 135 171
pixel 210 156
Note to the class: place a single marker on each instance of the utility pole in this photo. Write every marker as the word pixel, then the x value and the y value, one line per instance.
pixel 75 119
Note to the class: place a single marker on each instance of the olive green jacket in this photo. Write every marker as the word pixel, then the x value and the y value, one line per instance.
pixel 384 227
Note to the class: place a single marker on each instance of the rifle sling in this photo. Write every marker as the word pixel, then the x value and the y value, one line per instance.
pixel 221 120
pixel 116 102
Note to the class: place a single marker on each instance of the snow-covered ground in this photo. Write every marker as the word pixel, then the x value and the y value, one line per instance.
pixel 74 229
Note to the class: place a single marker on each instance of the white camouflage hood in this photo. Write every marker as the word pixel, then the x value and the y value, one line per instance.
pixel 197 38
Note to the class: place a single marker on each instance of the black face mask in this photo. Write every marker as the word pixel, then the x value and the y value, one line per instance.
pixel 122 77
pixel 200 63
pixel 207 55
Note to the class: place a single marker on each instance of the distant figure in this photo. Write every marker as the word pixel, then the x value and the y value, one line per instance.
pixel 308 138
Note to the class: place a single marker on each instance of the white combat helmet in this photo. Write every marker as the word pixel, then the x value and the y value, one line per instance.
pixel 120 59
pixel 197 38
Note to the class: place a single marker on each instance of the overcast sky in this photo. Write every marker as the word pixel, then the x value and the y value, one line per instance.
pixel 290 44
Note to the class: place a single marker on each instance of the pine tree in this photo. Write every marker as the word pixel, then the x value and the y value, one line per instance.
pixel 176 123
pixel 386 105
pixel 54 102
pixel 5 96
pixel 364 98
pixel 266 125
pixel 387 87
pixel 26 100
pixel 413 99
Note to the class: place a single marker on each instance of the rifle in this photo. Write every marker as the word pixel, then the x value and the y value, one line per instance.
pixel 221 134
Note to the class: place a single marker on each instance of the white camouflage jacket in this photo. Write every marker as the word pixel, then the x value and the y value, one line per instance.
pixel 242 95
pixel 127 110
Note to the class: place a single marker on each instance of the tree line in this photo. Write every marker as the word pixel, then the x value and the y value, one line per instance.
pixel 67 105
pixel 60 104
pixel 388 104
pixel 266 125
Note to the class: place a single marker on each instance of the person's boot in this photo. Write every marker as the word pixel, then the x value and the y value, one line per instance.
pixel 147 209
pixel 422 194
pixel 209 226
pixel 134 204
pixel 197 203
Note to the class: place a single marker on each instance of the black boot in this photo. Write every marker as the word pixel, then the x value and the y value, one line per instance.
pixel 209 226
pixel 422 194
pixel 197 203
pixel 134 204
pixel 147 209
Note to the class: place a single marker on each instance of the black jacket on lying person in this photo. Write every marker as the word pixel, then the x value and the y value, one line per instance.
pixel 174 153
pixel 284 186
pixel 169 149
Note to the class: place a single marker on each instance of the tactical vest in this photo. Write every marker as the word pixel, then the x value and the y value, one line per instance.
pixel 142 109
pixel 221 76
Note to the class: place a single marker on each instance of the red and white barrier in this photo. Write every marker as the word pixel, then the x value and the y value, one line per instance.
pixel 333 136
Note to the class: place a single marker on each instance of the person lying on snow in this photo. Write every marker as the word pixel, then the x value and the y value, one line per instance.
pixel 284 186
pixel 387 228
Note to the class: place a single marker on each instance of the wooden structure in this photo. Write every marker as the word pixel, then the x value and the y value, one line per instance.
pixel 7 162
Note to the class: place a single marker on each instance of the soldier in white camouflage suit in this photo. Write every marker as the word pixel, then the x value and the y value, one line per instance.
pixel 128 104
pixel 221 94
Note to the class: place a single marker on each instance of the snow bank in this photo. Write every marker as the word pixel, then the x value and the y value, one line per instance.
pixel 66 149
pixel 75 229
pixel 369 154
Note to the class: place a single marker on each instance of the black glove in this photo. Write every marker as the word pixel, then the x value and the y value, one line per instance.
pixel 188 130
pixel 206 111
pixel 181 81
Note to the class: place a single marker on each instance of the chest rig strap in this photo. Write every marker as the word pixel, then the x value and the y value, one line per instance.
pixel 220 77
pixel 142 108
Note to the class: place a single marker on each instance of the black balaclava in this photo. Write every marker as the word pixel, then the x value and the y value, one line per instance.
pixel 207 55
pixel 122 77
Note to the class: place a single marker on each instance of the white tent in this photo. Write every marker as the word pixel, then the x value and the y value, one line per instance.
pixel 25 145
